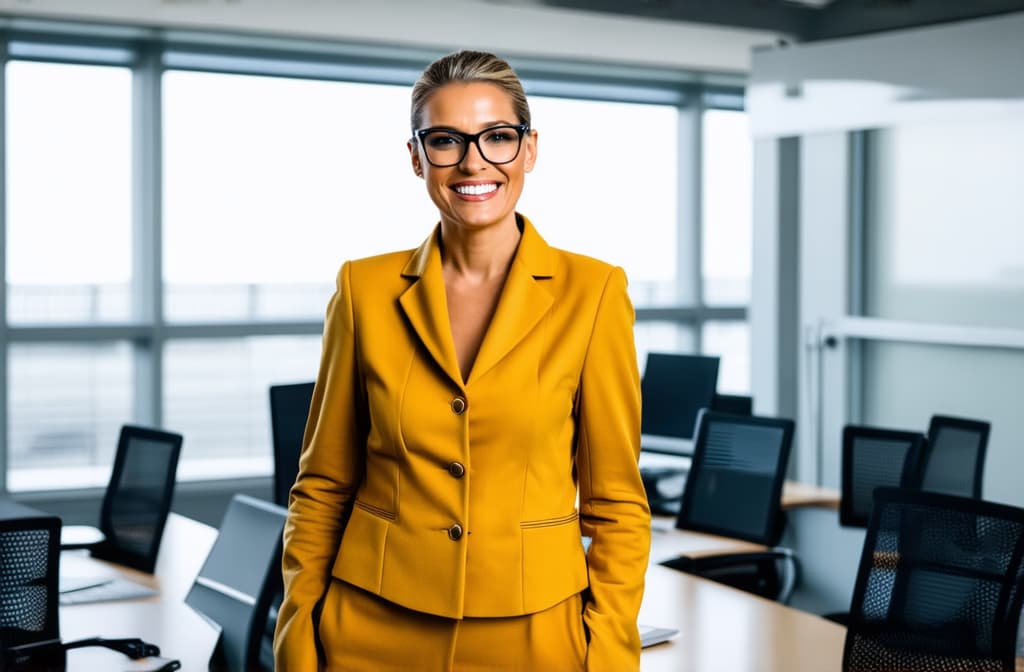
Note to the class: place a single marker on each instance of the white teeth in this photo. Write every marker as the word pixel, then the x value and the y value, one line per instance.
pixel 475 189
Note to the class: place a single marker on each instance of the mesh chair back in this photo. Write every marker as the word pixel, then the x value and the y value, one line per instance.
pixel 29 554
pixel 138 497
pixel 874 458
pixel 936 587
pixel 239 578
pixel 289 410
pixel 735 481
pixel 954 459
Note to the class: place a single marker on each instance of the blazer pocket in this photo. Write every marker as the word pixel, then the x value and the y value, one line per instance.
pixel 376 510
pixel 554 564
pixel 360 557
pixel 550 522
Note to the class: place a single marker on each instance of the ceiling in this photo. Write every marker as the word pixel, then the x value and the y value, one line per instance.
pixel 802 20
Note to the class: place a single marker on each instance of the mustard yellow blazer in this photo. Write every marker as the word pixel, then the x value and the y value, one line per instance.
pixel 458 498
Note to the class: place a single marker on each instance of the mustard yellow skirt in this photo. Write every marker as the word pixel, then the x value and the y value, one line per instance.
pixel 360 632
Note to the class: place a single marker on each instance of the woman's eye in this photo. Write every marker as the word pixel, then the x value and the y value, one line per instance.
pixel 443 141
pixel 499 137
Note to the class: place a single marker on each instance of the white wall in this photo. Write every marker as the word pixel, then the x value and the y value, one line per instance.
pixel 509 28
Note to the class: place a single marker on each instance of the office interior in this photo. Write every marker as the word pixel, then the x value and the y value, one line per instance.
pixel 866 264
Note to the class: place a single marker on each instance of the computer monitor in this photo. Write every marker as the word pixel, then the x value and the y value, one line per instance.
pixel 675 387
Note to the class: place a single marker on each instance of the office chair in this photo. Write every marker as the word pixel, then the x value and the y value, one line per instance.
pixel 289 409
pixel 953 462
pixel 732 403
pixel 872 458
pixel 138 498
pixel 734 490
pixel 938 586
pixel 674 389
pixel 241 574
pixel 29 626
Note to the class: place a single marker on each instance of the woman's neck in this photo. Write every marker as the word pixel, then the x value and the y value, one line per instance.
pixel 481 254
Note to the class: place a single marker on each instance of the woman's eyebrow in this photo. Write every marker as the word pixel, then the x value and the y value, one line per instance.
pixel 483 127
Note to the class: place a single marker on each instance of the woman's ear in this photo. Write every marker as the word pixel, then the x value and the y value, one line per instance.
pixel 417 166
pixel 530 150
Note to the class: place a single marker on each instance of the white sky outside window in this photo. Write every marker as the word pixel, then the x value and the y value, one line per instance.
pixel 272 182
pixel 68 192
pixel 605 185
pixel 727 182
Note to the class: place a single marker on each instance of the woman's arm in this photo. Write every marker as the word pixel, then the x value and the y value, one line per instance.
pixel 330 469
pixel 613 504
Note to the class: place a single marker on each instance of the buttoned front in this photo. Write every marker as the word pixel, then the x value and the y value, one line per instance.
pixel 555 418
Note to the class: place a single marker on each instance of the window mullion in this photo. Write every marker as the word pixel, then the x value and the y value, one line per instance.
pixel 147 257
pixel 3 271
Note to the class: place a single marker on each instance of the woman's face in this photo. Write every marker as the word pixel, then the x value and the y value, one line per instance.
pixel 473 194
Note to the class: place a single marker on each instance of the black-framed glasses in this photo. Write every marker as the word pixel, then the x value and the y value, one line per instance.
pixel 445 147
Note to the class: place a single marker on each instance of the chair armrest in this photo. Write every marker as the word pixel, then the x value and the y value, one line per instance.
pixel 703 564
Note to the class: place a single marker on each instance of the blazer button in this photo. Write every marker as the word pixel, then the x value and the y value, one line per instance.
pixel 456 470
pixel 455 532
pixel 458 405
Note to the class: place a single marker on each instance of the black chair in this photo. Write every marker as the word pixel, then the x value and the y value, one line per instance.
pixel 29 626
pixel 675 387
pixel 138 497
pixel 289 409
pixel 734 489
pixel 938 587
pixel 29 556
pixel 953 462
pixel 237 582
pixel 736 404
pixel 874 457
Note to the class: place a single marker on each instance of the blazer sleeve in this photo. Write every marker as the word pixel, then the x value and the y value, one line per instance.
pixel 613 504
pixel 330 469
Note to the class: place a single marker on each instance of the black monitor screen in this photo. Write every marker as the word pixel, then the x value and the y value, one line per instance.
pixel 674 388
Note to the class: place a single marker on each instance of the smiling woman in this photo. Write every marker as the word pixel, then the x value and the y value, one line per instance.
pixel 502 390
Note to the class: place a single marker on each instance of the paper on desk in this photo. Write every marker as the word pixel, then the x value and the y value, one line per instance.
pixel 78 570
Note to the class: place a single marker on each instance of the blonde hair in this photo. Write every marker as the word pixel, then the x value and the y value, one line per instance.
pixel 468 66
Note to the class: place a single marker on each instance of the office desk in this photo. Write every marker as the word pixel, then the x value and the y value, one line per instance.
pixel 726 630
pixel 668 542
pixel 163 620
pixel 796 495
pixel 721 628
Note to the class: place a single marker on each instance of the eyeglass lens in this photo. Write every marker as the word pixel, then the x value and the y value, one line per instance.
pixel 497 145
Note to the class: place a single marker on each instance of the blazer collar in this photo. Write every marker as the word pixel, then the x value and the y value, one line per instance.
pixel 523 302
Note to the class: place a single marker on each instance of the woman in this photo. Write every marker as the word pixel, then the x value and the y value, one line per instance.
pixel 468 391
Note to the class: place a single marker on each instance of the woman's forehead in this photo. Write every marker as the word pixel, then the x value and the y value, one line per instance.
pixel 469 104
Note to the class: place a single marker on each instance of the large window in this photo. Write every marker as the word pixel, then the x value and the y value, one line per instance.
pixel 175 218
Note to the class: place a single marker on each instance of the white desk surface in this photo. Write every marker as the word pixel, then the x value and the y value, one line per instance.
pixel 164 620
pixel 722 629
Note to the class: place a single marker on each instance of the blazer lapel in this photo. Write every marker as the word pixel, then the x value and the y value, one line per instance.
pixel 426 307
pixel 524 301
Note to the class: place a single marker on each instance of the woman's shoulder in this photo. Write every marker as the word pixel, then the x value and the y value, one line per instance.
pixel 377 264
pixel 576 265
